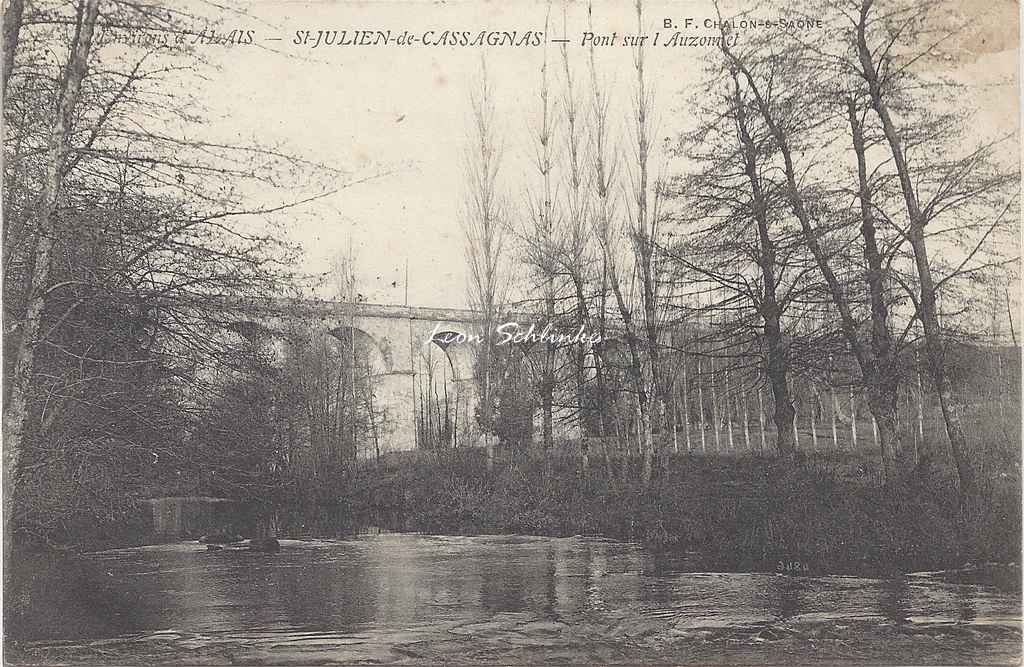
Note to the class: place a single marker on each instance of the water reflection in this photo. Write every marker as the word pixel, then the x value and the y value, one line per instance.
pixel 399 593
pixel 892 603
pixel 788 602
pixel 965 604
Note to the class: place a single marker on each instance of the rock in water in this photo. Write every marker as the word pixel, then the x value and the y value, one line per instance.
pixel 265 545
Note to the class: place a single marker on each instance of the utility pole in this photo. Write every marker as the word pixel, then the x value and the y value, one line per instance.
pixel 412 362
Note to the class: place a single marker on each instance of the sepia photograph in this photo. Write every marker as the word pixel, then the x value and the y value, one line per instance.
pixel 590 332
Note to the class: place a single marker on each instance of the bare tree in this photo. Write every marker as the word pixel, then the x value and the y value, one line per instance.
pixel 603 226
pixel 541 243
pixel 574 252
pixel 485 229
pixel 758 269
pixel 644 230
pixel 931 190
pixel 608 228
pixel 45 224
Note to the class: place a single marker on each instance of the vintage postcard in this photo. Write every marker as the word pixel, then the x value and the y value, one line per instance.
pixel 521 332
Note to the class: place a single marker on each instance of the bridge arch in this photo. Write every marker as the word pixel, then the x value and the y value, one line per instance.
pixel 259 336
pixel 249 330
pixel 367 347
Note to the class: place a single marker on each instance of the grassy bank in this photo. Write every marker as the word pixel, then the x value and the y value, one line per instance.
pixel 821 514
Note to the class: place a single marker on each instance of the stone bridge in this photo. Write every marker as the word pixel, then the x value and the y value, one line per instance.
pixel 407 349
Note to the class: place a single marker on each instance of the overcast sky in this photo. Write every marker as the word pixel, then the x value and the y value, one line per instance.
pixel 404 110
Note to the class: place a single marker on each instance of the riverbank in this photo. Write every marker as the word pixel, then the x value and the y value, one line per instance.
pixel 824 514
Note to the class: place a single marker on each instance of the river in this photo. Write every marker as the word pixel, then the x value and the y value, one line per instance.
pixel 500 599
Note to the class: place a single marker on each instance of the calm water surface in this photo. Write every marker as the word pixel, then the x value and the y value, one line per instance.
pixel 419 599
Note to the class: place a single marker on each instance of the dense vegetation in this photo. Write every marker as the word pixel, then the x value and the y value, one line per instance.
pixel 825 513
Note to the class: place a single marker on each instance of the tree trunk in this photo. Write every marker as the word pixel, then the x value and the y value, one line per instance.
pixel 652 407
pixel 882 374
pixel 547 404
pixel 784 411
pixel 603 406
pixel 771 314
pixel 636 361
pixel 12 29
pixel 882 403
pixel 686 409
pixel 17 409
pixel 488 425
pixel 582 319
pixel 647 432
pixel 948 401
